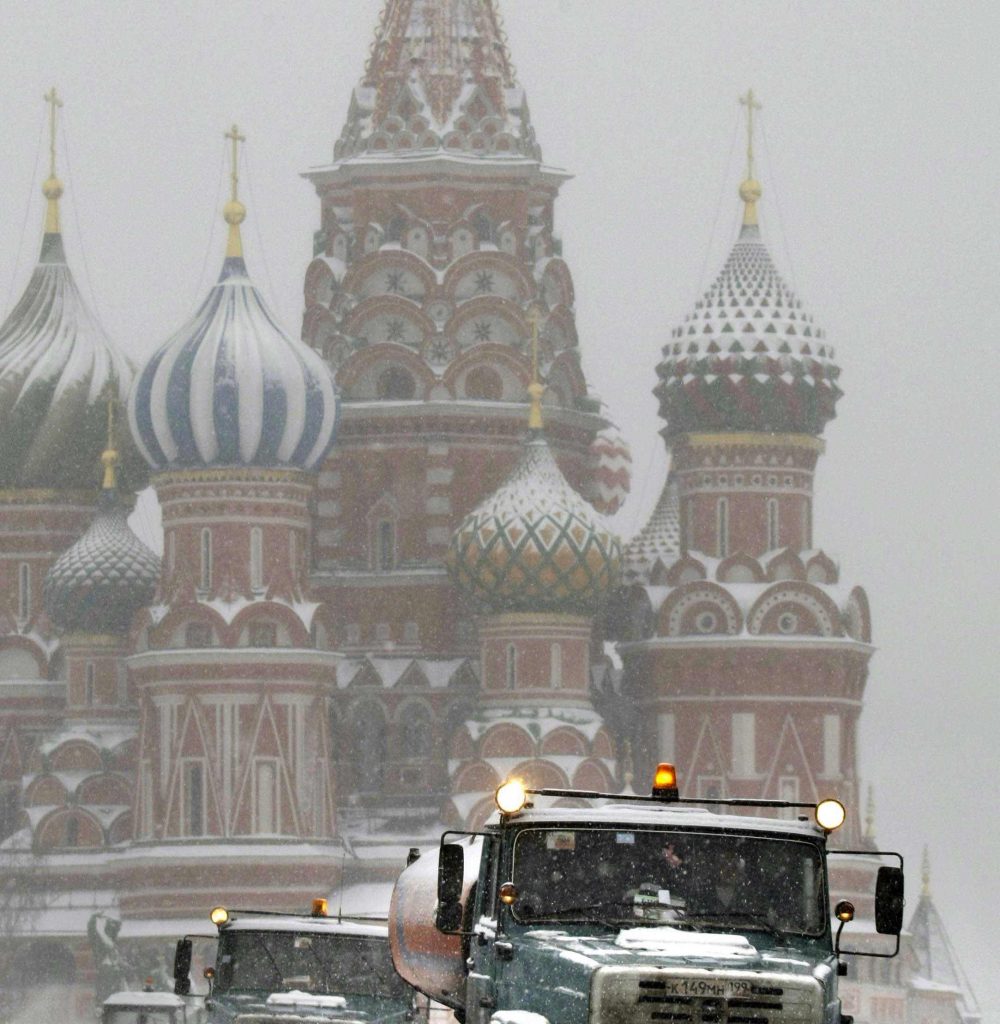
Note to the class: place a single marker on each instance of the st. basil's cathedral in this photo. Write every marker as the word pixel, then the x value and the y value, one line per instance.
pixel 389 576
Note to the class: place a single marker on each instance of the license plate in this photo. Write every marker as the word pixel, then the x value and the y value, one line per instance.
pixel 712 988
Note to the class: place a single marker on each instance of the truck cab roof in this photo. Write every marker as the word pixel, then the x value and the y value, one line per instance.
pixel 248 921
pixel 654 814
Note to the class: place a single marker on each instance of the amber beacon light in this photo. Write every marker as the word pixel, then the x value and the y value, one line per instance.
pixel 219 916
pixel 665 782
pixel 319 907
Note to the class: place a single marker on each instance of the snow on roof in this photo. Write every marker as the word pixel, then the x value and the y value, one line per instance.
pixel 305 923
pixel 370 898
pixel 660 815
pixel 104 736
pixel 141 1000
pixel 537 721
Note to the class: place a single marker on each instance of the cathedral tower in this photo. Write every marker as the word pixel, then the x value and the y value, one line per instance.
pixel 537 561
pixel 58 369
pixel 437 234
pixel 744 653
pixel 234 752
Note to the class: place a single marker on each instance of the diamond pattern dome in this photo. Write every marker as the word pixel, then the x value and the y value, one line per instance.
pixel 104 578
pixel 535 544
pixel 748 357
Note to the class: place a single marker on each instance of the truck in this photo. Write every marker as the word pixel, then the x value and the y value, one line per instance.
pixel 146 1007
pixel 275 968
pixel 625 909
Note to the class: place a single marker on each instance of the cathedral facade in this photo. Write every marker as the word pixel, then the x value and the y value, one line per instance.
pixel 388 578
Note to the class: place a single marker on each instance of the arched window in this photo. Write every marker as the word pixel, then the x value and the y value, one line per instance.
pixel 484 384
pixel 483 227
pixel 722 527
pixel 689 524
pixel 293 553
pixel 807 524
pixel 385 545
pixel 395 384
pixel 555 671
pixel 511 678
pixel 256 558
pixel 72 831
pixel 198 634
pixel 415 732
pixel 206 559
pixel 171 551
pixel 90 685
pixel 369 748
pixel 24 590
pixel 772 523
pixel 267 806
pixel 396 227
pixel 194 798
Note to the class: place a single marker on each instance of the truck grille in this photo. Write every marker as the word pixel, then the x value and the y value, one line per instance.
pixel 637 995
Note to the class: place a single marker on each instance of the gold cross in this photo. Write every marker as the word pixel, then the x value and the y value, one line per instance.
pixel 751 104
pixel 234 135
pixel 53 101
pixel 535 389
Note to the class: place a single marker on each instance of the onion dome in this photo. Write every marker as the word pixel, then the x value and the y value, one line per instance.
pixel 535 544
pixel 99 584
pixel 611 470
pixel 748 358
pixel 57 366
pixel 231 387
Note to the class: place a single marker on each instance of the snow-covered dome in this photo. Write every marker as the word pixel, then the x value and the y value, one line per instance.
pixel 231 387
pixel 535 544
pixel 57 368
pixel 748 357
pixel 98 584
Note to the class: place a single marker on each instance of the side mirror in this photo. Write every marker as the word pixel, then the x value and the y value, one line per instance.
pixel 451 876
pixel 182 968
pixel 889 901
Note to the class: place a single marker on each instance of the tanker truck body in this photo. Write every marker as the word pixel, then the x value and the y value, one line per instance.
pixel 628 912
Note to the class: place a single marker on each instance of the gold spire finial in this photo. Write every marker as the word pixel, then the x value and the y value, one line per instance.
pixel 870 814
pixel 109 457
pixel 234 211
pixel 536 388
pixel 750 190
pixel 52 187
pixel 925 874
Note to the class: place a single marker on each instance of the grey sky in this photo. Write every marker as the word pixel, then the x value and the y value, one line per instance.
pixel 881 155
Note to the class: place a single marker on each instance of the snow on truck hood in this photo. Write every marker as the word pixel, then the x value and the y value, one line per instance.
pixel 677 943
pixel 642 945
pixel 296 1000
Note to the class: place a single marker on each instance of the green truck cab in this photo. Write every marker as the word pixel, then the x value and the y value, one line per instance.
pixel 272 968
pixel 635 910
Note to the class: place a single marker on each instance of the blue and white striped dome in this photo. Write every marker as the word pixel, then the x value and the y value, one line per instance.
pixel 231 388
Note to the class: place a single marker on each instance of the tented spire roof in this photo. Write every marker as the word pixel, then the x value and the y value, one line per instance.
pixel 938 963
pixel 439 77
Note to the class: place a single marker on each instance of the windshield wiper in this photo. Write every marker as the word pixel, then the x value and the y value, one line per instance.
pixel 739 915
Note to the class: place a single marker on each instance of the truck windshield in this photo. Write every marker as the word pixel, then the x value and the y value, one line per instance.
pixel 703 880
pixel 275 961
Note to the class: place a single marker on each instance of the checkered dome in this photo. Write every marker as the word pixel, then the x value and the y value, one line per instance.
pixel 535 544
